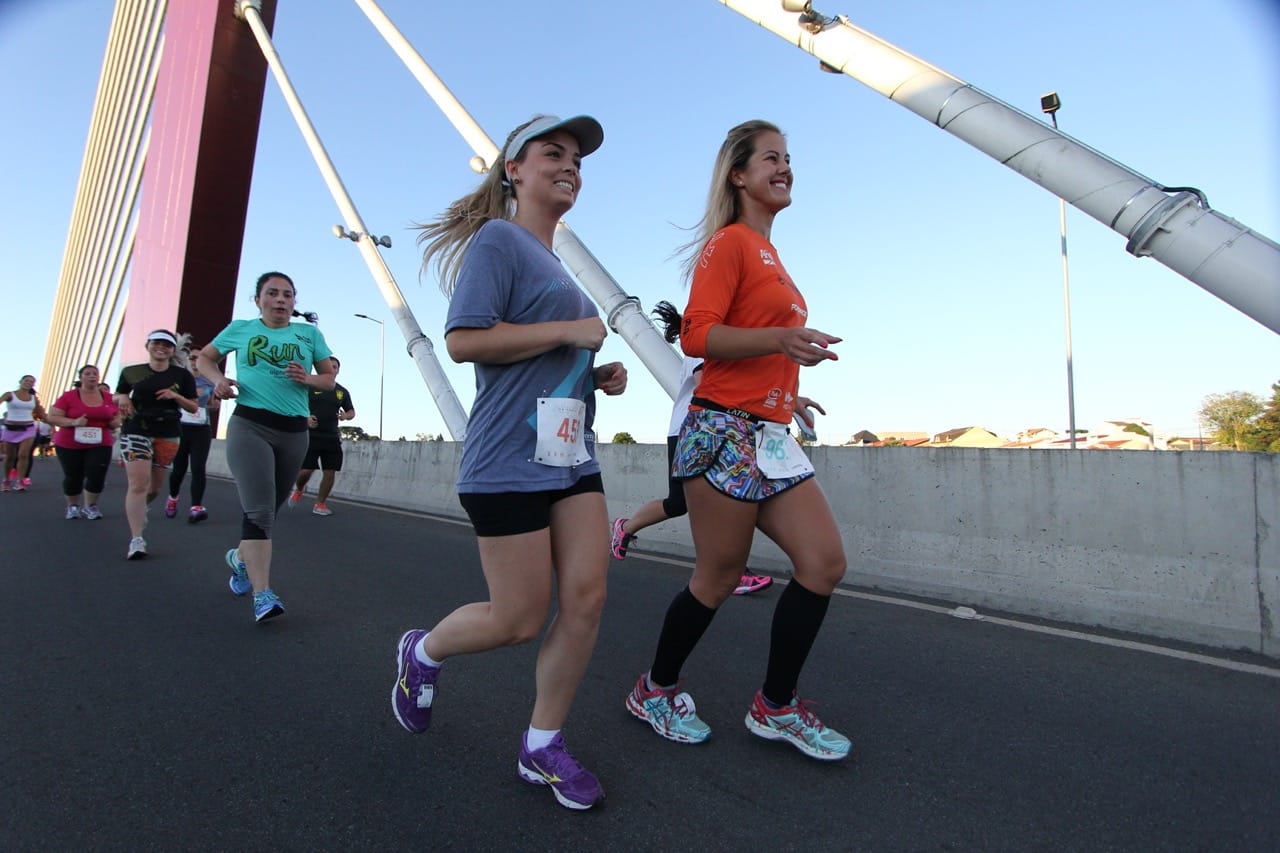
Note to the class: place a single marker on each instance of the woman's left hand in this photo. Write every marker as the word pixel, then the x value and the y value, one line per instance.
pixel 296 372
pixel 803 405
pixel 611 378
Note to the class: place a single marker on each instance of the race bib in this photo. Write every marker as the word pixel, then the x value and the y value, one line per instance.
pixel 561 432
pixel 778 456
pixel 88 435
pixel 200 416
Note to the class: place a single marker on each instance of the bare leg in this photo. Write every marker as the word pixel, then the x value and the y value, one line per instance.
pixel 326 485
pixel 24 457
pixel 646 516
pixel 519 570
pixel 800 521
pixel 256 556
pixel 579 546
pixel 135 499
pixel 722 532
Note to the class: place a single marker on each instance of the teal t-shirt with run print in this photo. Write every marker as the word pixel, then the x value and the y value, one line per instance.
pixel 262 353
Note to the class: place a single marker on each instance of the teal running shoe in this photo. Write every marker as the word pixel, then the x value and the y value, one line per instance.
pixel 797 725
pixel 671 714
pixel 239 581
pixel 266 605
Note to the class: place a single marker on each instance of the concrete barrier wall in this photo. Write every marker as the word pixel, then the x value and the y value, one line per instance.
pixel 1167 544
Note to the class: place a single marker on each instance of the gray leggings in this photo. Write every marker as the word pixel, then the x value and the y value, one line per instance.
pixel 264 462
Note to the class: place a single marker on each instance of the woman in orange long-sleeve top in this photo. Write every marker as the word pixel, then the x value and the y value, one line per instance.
pixel 741 469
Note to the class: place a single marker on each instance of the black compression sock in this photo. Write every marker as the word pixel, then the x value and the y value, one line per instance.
pixel 796 620
pixel 687 619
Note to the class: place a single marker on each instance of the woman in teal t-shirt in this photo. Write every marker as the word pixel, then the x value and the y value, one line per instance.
pixel 267 432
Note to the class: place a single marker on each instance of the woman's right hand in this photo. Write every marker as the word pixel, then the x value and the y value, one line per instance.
pixel 83 420
pixel 806 346
pixel 225 389
pixel 587 334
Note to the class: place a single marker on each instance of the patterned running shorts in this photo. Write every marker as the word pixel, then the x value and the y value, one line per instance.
pixel 143 448
pixel 722 449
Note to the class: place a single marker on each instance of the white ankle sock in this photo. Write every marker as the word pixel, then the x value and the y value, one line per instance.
pixel 536 739
pixel 420 652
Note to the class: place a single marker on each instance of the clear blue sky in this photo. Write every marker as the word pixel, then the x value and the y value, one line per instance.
pixel 939 267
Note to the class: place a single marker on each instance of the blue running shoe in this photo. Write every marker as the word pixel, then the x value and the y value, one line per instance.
pixel 574 786
pixel 415 687
pixel 239 581
pixel 799 726
pixel 671 714
pixel 266 605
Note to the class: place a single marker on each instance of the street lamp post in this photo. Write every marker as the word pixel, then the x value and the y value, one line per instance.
pixel 382 364
pixel 1050 104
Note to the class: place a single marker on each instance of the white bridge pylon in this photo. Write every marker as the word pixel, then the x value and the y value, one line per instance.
pixel 419 346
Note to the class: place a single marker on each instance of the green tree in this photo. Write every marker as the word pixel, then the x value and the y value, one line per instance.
pixel 623 438
pixel 1229 417
pixel 355 433
pixel 1264 434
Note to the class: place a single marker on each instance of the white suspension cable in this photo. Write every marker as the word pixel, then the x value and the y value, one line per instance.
pixel 622 312
pixel 1175 226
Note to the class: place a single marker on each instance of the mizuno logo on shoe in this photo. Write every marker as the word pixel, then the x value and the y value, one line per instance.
pixel 425 694
pixel 550 777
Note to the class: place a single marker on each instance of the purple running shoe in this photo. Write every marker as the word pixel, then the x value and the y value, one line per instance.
pixel 415 686
pixel 574 786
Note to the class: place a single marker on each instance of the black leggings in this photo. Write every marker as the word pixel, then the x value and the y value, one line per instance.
pixel 84 469
pixel 196 439
pixel 673 504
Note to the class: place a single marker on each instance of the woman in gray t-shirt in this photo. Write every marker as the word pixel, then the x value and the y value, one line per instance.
pixel 529 479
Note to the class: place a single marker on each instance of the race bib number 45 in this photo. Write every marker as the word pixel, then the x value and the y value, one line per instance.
pixel 561 432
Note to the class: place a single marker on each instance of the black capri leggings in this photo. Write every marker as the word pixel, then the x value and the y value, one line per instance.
pixel 84 469
pixel 673 504
pixel 194 447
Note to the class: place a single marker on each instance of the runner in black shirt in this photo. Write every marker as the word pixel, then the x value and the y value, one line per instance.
pixel 151 397
pixel 324 449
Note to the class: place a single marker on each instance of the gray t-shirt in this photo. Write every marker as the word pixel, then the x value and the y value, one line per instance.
pixel 507 275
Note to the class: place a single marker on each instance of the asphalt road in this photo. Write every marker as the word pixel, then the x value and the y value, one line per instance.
pixel 143 709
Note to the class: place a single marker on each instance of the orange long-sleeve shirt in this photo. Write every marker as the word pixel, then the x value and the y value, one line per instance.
pixel 740 282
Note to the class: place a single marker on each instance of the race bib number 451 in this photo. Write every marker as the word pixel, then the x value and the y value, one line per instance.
pixel 561 432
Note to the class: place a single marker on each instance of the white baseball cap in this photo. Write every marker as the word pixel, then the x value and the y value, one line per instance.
pixel 585 129
pixel 161 335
